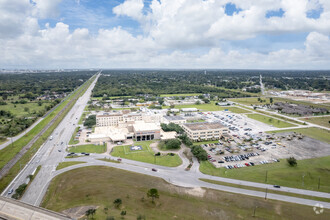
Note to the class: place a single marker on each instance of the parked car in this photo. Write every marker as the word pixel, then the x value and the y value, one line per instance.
pixel 154 169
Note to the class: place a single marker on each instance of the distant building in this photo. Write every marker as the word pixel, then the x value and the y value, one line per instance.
pixel 116 119
pixel 204 130
pixel 174 119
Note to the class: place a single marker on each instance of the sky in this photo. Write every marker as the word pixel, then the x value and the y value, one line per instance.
pixel 186 34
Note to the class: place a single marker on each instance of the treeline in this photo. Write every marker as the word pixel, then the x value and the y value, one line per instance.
pixel 217 82
pixel 31 85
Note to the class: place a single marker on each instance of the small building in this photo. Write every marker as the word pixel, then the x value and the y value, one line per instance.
pixel 189 109
pixel 174 119
pixel 204 130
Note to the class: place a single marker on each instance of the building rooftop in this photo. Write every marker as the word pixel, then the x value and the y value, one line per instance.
pixel 145 126
pixel 189 109
pixel 204 126
pixel 174 118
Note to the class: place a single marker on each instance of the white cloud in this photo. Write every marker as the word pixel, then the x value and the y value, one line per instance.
pixel 131 8
pixel 181 33
pixel 47 8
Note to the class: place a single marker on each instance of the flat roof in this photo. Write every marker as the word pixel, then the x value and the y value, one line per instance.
pixel 189 109
pixel 174 118
pixel 109 115
pixel 204 126
pixel 145 127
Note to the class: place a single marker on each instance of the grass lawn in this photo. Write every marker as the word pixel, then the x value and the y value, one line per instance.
pixel 280 117
pixel 72 140
pixel 208 107
pixel 280 173
pixel 100 186
pixel 146 155
pixel 270 121
pixel 254 101
pixel 82 118
pixel 88 148
pixel 323 121
pixel 264 190
pixel 19 109
pixel 238 110
pixel 67 164
pixel 316 133
pixel 3 140
pixel 194 121
pixel 182 94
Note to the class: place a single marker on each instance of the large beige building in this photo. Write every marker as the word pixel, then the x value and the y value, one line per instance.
pixel 116 119
pixel 204 130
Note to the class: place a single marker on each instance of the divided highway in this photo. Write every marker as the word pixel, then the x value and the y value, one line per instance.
pixel 51 152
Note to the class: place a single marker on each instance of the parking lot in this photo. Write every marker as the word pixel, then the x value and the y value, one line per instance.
pixel 248 145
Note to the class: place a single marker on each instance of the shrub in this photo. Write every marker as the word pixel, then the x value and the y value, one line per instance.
pixel 292 161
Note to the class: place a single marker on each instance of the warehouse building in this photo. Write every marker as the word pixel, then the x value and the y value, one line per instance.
pixel 204 130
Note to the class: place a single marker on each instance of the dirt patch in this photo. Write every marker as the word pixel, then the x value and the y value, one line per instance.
pixel 78 212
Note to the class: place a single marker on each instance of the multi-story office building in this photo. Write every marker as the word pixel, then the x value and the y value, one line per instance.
pixel 204 130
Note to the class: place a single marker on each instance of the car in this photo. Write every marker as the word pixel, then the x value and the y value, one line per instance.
pixel 10 191
pixel 59 151
pixel 221 161
pixel 277 186
pixel 119 159
pixel 154 169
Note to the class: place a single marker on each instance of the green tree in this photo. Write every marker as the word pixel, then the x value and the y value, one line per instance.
pixel 153 193
pixel 271 100
pixel 90 121
pixel 90 212
pixel 292 161
pixel 117 202
pixel 123 213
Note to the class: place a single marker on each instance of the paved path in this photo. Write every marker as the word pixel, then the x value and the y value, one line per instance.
pixel 178 176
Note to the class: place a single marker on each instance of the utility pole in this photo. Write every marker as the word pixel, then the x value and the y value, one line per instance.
pixel 266 194
pixel 266 176
pixel 318 187
pixel 302 183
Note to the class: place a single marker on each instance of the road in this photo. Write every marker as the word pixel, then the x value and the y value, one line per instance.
pixel 13 139
pixel 53 152
pixel 49 155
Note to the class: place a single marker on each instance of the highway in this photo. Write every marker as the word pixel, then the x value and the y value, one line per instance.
pixel 50 153
pixel 53 152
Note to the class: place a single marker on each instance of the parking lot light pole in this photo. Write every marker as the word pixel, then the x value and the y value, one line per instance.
pixel 266 176
pixel 266 194
pixel 318 186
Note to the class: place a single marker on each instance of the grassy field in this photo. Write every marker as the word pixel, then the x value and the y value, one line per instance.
pixel 280 173
pixel 270 121
pixel 323 121
pixel 211 107
pixel 100 186
pixel 19 109
pixel 82 118
pixel 9 152
pixel 264 190
pixel 88 148
pixel 3 140
pixel 280 117
pixel 254 101
pixel 316 133
pixel 146 155
pixel 72 140
pixel 67 164
pixel 183 94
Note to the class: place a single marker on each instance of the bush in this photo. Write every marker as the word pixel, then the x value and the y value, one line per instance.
pixel 292 161
pixel 172 127
pixel 185 140
pixel 90 121
pixel 199 153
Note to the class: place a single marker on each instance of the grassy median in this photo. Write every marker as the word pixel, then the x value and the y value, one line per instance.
pixel 270 121
pixel 305 176
pixel 100 186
